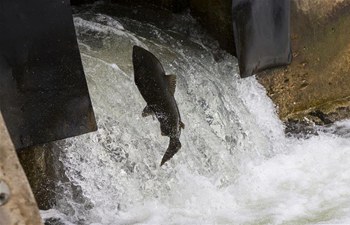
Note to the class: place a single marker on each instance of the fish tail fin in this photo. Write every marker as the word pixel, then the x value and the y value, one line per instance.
pixel 173 148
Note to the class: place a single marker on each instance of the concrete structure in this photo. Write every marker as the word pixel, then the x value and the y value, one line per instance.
pixel 316 84
pixel 21 208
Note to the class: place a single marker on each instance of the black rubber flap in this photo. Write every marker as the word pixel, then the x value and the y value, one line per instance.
pixel 43 91
pixel 262 34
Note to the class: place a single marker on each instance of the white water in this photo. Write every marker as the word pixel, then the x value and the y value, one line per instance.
pixel 235 167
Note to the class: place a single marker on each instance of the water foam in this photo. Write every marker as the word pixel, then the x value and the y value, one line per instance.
pixel 235 167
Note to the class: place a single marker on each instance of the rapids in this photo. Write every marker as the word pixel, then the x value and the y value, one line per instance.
pixel 236 165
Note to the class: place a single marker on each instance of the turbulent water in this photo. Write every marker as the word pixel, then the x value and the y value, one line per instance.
pixel 236 165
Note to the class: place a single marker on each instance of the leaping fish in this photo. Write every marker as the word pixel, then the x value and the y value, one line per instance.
pixel 158 90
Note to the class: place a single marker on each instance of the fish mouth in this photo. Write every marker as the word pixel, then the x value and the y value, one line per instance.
pixel 173 148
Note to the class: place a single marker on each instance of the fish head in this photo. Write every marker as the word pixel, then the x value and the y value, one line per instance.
pixel 142 57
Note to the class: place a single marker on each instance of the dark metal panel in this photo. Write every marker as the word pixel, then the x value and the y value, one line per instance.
pixel 43 91
pixel 262 34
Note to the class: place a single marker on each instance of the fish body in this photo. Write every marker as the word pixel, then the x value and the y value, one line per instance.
pixel 158 89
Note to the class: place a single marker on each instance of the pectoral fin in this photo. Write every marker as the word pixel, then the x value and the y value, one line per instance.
pixel 171 79
pixel 147 111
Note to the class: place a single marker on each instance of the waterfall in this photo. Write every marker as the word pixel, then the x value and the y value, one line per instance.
pixel 236 166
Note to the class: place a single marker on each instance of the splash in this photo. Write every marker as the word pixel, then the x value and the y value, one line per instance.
pixel 235 167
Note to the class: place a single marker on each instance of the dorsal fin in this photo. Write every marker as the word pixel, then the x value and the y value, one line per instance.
pixel 182 125
pixel 171 79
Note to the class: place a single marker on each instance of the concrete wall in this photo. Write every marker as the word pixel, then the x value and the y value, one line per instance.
pixel 316 84
pixel 21 208
pixel 39 165
pixel 215 16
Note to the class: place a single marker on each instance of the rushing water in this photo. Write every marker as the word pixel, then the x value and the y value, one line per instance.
pixel 236 165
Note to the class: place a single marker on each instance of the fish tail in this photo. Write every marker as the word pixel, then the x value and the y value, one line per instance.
pixel 173 148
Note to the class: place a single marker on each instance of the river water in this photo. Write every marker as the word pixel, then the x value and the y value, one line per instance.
pixel 236 165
